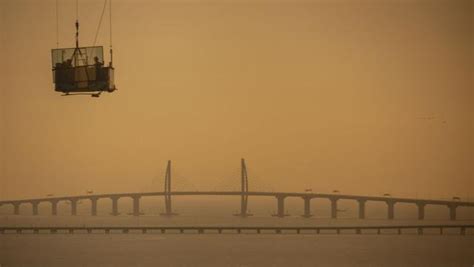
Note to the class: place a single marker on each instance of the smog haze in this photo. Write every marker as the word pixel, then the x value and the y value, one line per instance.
pixel 366 97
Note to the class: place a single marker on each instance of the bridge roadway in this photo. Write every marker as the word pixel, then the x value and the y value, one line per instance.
pixel 459 229
pixel 452 205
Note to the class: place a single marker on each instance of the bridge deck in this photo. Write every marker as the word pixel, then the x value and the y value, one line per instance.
pixel 238 193
pixel 236 229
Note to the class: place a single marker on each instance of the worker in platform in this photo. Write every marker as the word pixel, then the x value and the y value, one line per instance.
pixel 98 69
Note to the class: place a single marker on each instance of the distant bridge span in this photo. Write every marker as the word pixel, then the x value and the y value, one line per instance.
pixel 244 194
pixel 280 196
pixel 358 229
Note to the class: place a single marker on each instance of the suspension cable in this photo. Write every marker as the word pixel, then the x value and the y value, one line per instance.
pixel 100 23
pixel 77 24
pixel 57 24
pixel 110 32
pixel 110 22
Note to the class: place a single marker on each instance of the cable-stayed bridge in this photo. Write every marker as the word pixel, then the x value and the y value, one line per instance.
pixel 244 194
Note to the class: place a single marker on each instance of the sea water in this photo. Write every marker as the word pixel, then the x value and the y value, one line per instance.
pixel 228 249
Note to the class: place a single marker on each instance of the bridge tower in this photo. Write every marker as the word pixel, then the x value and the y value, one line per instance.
pixel 167 191
pixel 244 190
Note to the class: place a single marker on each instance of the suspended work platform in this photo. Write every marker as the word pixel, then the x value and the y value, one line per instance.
pixel 81 70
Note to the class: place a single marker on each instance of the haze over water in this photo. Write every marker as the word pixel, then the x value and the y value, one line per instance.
pixel 367 97
pixel 247 249
pixel 364 97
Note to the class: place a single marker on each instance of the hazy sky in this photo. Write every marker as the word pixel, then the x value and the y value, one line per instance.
pixel 366 97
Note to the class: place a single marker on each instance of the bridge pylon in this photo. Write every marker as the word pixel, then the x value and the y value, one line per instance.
pixel 244 190
pixel 167 191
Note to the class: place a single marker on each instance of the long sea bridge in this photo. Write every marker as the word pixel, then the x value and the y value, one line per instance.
pixel 441 229
pixel 243 194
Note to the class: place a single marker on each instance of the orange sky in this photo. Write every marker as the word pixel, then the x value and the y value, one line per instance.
pixel 314 94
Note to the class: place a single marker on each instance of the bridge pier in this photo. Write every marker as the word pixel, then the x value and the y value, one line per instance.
pixel 136 205
pixel 115 206
pixel 390 210
pixel 93 206
pixel 452 205
pixel 334 208
pixel 243 209
pixel 34 206
pixel 168 208
pixel 243 206
pixel 73 206
pixel 16 208
pixel 420 230
pixel 421 210
pixel 244 183
pixel 54 207
pixel 280 206
pixel 452 211
pixel 307 207
pixel 361 208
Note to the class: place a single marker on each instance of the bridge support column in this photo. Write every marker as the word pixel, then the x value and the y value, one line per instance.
pixel 280 206
pixel 390 210
pixel 244 183
pixel 94 206
pixel 361 208
pixel 307 207
pixel 334 208
pixel 115 206
pixel 421 211
pixel 73 206
pixel 243 206
pixel 54 207
pixel 420 231
pixel 16 208
pixel 34 206
pixel 452 212
pixel 136 205
pixel 168 208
